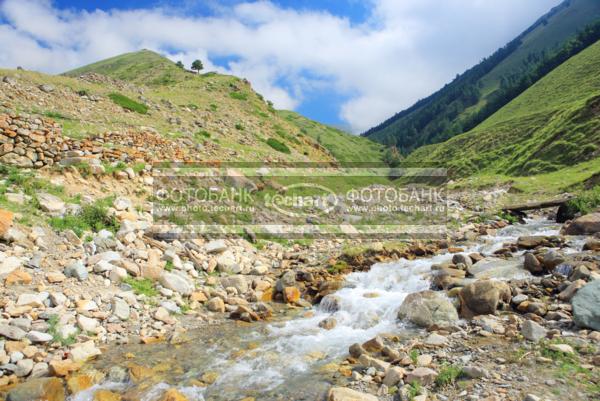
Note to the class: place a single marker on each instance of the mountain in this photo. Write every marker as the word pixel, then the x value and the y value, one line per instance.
pixel 141 67
pixel 479 92
pixel 220 115
pixel 553 125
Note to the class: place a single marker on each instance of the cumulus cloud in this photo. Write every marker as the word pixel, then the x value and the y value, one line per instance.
pixel 404 49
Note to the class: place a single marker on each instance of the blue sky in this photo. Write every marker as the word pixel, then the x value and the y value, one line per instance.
pixel 350 63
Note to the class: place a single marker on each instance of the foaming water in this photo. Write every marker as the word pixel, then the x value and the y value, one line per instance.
pixel 285 357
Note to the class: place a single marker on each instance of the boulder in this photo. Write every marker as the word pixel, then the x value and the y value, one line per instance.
pixel 533 331
pixel 428 308
pixel 532 264
pixel 483 297
pixel 51 204
pixel 237 281
pixel 176 283
pixel 84 351
pixel 586 306
pixel 77 270
pixel 346 394
pixel 423 376
pixel 47 389
pixel 585 225
pixel 216 246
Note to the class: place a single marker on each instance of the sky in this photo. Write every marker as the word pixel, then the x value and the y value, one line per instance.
pixel 349 63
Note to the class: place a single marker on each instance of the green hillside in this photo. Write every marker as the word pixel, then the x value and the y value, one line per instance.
pixel 485 88
pixel 343 147
pixel 221 115
pixel 552 125
pixel 141 67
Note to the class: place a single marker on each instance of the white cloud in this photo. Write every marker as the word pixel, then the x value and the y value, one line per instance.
pixel 405 49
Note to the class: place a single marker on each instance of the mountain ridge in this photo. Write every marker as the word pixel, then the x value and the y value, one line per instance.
pixel 453 109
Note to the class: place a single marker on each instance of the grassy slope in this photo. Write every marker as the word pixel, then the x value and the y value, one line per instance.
pixel 221 111
pixel 343 147
pixel 554 125
pixel 181 87
pixel 544 37
pixel 141 67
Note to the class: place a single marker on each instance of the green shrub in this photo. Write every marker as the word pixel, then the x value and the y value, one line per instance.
pixel 143 286
pixel 278 146
pixel 128 104
pixel 585 203
pixel 448 375
pixel 56 336
pixel 238 95
pixel 239 127
pixel 93 217
pixel 56 115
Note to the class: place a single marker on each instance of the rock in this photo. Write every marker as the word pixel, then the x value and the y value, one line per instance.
pixel 586 306
pixel 18 277
pixel 461 258
pixel 287 279
pixel 120 309
pixel 87 324
pixel 423 376
pixel 585 225
pixel 33 300
pixel 47 389
pixel 370 362
pixel 552 259
pixel 216 304
pixel 580 272
pixel 328 323
pixel 475 372
pixel 176 283
pixel 46 88
pixel 216 246
pixel 532 264
pixel 533 331
pixel 122 203
pixel 173 395
pixel 11 332
pixel 564 348
pixel 592 244
pixel 51 204
pixel 9 264
pixel 375 344
pixel 436 340
pixel 356 350
pixel 106 395
pixel 163 315
pixel 346 394
pixel 6 221
pixel 38 337
pixel 78 383
pixel 571 290
pixel 237 281
pixel 226 263
pixel 291 295
pixel 483 297
pixel 24 367
pixel 84 351
pixel 531 241
pixel 428 308
pixel 55 277
pixel 77 270
pixel 118 374
pixel 393 376
pixel 63 367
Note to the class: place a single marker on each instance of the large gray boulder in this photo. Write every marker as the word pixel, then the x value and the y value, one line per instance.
pixel 586 306
pixel 428 308
pixel 176 283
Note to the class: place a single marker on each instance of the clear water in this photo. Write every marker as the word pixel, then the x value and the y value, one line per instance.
pixel 279 360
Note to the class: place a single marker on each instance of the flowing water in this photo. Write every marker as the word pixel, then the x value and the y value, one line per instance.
pixel 285 360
